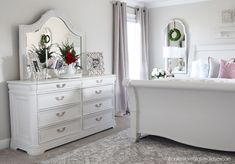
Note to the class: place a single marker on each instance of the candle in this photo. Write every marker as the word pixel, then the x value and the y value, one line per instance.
pixel 46 58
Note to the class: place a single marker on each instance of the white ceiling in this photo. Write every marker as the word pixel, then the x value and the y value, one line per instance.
pixel 161 3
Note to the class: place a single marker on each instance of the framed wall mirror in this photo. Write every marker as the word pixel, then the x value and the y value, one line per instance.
pixel 51 30
pixel 175 51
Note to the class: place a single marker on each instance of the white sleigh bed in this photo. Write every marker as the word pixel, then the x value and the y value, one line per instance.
pixel 195 112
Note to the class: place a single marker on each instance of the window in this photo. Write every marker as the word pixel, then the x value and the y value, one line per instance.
pixel 134 48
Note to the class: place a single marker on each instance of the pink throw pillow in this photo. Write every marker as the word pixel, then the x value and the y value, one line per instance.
pixel 227 69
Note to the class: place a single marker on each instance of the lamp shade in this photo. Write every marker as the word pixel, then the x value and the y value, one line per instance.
pixel 174 52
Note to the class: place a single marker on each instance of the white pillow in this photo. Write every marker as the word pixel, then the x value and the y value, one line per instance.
pixel 194 69
pixel 199 69
pixel 203 69
pixel 214 66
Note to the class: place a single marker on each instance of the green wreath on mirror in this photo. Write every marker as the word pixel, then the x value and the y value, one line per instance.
pixel 45 39
pixel 176 37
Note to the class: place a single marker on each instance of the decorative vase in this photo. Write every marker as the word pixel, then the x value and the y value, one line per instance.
pixel 70 70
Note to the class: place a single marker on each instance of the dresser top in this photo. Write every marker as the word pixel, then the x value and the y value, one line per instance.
pixel 56 80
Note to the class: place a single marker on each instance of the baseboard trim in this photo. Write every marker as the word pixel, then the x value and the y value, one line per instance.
pixel 5 143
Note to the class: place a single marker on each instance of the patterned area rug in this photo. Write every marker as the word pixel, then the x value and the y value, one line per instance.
pixel 118 149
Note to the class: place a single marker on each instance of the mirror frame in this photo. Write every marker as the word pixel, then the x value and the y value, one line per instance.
pixel 24 29
pixel 186 43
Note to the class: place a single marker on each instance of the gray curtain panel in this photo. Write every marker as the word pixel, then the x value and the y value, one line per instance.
pixel 142 19
pixel 120 56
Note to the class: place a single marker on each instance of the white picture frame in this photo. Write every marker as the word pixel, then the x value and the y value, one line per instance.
pixel 34 67
pixel 227 16
pixel 95 63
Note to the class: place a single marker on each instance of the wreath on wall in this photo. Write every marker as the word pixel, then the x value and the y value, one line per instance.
pixel 173 37
pixel 174 34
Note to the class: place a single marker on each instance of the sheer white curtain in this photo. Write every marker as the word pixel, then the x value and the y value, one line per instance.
pixel 134 48
pixel 138 44
pixel 120 56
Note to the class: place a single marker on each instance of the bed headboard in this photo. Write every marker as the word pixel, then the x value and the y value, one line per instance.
pixel 219 51
pixel 216 51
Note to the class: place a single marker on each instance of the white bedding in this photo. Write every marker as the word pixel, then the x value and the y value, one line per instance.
pixel 189 83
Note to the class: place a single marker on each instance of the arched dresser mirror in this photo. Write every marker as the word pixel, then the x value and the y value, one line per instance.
pixel 175 50
pixel 53 28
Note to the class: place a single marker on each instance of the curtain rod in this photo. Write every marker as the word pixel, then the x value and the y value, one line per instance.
pixel 115 1
pixel 132 7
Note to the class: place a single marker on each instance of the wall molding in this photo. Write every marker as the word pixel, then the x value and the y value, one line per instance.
pixel 5 143
pixel 164 3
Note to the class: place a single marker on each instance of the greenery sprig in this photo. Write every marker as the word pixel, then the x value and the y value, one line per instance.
pixel 41 52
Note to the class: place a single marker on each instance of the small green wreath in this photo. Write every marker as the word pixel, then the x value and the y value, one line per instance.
pixel 45 39
pixel 171 32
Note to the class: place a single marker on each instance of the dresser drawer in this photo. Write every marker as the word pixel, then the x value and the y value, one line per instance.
pixel 98 119
pixel 59 98
pixel 97 82
pixel 97 92
pixel 97 106
pixel 49 117
pixel 61 130
pixel 59 86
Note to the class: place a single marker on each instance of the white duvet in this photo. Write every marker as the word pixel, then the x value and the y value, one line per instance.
pixel 188 83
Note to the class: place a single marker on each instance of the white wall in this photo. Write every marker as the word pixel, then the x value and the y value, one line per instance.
pixel 201 19
pixel 94 17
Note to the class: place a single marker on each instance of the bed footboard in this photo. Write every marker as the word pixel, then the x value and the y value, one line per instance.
pixel 198 115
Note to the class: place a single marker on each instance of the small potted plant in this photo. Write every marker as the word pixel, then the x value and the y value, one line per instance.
pixel 43 50
pixel 69 56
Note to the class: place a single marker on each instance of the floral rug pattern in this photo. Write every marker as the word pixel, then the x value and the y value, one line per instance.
pixel 118 149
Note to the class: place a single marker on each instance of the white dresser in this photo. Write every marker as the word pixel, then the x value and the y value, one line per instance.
pixel 46 114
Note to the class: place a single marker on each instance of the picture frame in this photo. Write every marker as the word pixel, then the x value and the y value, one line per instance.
pixel 176 65
pixel 95 63
pixel 33 67
pixel 55 62
pixel 58 64
pixel 228 16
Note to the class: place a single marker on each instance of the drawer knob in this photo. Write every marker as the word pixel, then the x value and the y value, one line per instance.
pixel 61 130
pixel 99 81
pixel 60 86
pixel 60 114
pixel 98 92
pixel 60 98
pixel 98 105
pixel 99 119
